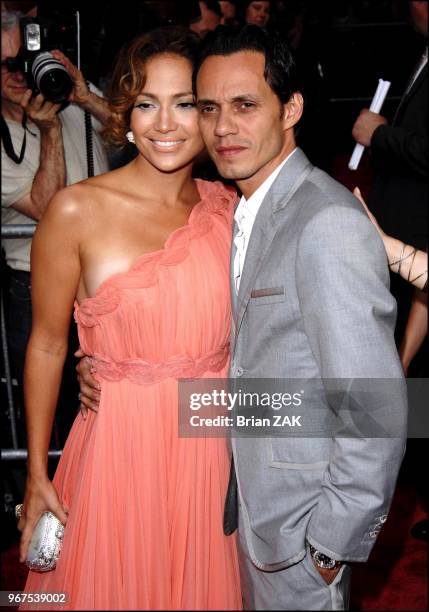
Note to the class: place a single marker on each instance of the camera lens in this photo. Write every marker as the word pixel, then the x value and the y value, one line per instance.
pixel 51 78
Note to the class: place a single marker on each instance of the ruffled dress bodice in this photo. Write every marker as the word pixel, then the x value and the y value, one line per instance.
pixel 150 322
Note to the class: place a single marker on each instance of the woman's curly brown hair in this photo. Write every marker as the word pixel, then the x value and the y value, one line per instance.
pixel 129 74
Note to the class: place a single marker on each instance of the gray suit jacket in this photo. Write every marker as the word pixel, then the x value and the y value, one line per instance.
pixel 328 313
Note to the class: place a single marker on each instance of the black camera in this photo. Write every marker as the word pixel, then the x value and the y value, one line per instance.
pixel 44 74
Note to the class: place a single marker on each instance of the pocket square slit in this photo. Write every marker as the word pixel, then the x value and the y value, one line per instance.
pixel 256 293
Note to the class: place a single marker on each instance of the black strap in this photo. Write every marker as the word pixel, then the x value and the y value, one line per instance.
pixel 89 144
pixel 7 140
pixel 89 141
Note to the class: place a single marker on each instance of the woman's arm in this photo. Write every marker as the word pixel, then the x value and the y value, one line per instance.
pixel 405 260
pixel 55 274
pixel 415 330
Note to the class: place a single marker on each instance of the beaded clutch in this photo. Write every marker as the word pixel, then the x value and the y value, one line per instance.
pixel 45 544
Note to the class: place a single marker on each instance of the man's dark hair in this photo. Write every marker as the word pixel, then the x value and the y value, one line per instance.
pixel 280 69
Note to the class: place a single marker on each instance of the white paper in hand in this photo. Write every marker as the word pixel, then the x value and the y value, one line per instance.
pixel 376 104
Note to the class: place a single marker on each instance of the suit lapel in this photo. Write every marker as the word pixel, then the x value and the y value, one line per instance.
pixel 264 229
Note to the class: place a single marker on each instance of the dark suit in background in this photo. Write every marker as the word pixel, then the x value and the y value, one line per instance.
pixel 400 157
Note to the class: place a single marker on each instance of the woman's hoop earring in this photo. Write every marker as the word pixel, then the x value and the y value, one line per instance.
pixel 130 137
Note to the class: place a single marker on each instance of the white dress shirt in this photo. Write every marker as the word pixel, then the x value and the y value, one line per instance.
pixel 245 216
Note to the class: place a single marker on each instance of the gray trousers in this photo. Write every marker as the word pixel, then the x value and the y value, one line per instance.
pixel 298 587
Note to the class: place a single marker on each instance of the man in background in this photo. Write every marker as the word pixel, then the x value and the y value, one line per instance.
pixel 43 150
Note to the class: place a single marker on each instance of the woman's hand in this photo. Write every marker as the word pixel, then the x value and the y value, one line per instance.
pixel 40 496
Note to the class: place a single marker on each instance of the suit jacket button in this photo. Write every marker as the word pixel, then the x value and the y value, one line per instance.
pixel 239 371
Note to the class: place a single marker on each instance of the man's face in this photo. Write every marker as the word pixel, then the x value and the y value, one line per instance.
pixel 13 84
pixel 246 129
pixel 208 21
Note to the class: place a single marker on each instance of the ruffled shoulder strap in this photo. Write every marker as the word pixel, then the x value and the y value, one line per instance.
pixel 217 197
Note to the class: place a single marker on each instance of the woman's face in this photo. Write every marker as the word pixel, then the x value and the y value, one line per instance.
pixel 258 13
pixel 164 118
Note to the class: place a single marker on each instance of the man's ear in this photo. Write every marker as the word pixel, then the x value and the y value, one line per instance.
pixel 292 110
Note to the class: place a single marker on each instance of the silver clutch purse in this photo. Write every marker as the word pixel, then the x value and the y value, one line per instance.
pixel 45 544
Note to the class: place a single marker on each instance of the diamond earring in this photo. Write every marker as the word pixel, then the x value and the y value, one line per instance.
pixel 130 137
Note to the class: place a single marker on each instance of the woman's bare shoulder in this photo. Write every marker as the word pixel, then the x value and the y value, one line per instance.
pixel 84 200
pixel 109 181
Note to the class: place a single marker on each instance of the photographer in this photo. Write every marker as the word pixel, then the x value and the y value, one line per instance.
pixel 43 150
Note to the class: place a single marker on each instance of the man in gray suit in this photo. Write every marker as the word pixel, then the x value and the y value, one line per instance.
pixel 310 292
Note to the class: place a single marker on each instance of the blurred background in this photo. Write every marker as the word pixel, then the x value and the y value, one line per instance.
pixel 344 46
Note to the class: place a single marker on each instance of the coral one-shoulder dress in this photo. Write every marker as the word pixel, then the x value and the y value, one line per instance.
pixel 145 505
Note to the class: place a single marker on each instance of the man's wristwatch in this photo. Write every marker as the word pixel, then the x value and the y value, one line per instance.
pixel 322 560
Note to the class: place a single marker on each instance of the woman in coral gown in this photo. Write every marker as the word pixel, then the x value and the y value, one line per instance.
pixel 143 253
